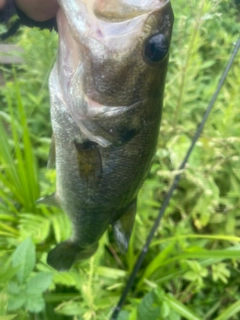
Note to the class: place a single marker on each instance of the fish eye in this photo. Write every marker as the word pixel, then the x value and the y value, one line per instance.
pixel 156 47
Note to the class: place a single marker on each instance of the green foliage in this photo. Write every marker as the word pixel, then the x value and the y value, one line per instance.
pixel 123 315
pixel 196 274
pixel 192 268
pixel 24 258
pixel 220 272
pixel 230 312
pixel 150 307
pixel 26 290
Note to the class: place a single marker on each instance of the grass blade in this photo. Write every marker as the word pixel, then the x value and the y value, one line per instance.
pixel 230 311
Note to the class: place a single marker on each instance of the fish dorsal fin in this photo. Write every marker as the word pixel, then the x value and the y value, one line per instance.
pixel 51 200
pixel 122 227
pixel 52 154
pixel 89 161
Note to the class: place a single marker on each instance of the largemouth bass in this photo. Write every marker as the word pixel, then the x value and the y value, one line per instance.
pixel 106 101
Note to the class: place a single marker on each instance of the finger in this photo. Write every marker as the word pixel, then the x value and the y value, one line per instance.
pixel 2 3
pixel 38 10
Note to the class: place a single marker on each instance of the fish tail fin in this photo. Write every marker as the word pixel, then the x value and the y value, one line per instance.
pixel 63 256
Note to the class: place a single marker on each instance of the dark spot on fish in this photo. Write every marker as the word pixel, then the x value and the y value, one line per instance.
pixel 89 161
pixel 127 135
pixel 122 135
pixel 86 145
pixel 156 48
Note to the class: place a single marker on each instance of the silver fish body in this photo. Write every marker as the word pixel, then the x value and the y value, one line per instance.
pixel 106 102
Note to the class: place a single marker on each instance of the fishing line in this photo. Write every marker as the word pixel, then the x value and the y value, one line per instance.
pixel 141 257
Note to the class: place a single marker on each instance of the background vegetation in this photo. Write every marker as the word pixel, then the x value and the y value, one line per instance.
pixel 192 268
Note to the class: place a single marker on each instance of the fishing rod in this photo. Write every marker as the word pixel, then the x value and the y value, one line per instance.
pixel 173 186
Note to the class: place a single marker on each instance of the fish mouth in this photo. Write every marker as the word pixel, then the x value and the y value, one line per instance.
pixel 109 10
pixel 115 24
pixel 122 10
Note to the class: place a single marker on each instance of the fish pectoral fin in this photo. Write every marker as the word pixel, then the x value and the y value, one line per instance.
pixel 95 133
pixel 51 200
pixel 111 125
pixel 89 161
pixel 105 136
pixel 52 154
pixel 122 227
pixel 118 125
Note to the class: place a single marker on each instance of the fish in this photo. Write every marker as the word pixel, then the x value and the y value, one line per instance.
pixel 106 92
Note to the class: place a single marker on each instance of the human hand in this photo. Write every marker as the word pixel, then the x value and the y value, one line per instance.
pixel 38 10
pixel 2 4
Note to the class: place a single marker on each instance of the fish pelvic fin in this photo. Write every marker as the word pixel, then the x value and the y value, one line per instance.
pixel 51 200
pixel 66 253
pixel 122 227
pixel 89 161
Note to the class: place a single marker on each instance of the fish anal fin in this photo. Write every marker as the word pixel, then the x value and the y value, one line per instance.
pixel 52 154
pixel 122 227
pixel 89 161
pixel 51 200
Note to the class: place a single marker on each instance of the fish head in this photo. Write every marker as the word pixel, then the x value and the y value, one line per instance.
pixel 112 52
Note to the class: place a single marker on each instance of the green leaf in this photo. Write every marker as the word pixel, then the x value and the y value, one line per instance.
pixel 70 309
pixel 190 276
pixel 61 226
pixel 156 262
pixel 34 226
pixel 165 310
pixel 35 303
pixel 13 288
pixel 20 176
pixel 39 283
pixel 111 272
pixel 3 302
pixel 7 272
pixel 15 302
pixel 220 272
pixel 230 312
pixel 229 253
pixel 24 257
pixel 181 309
pixel 26 164
pixel 8 317
pixel 123 315
pixel 149 307
pixel 174 316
